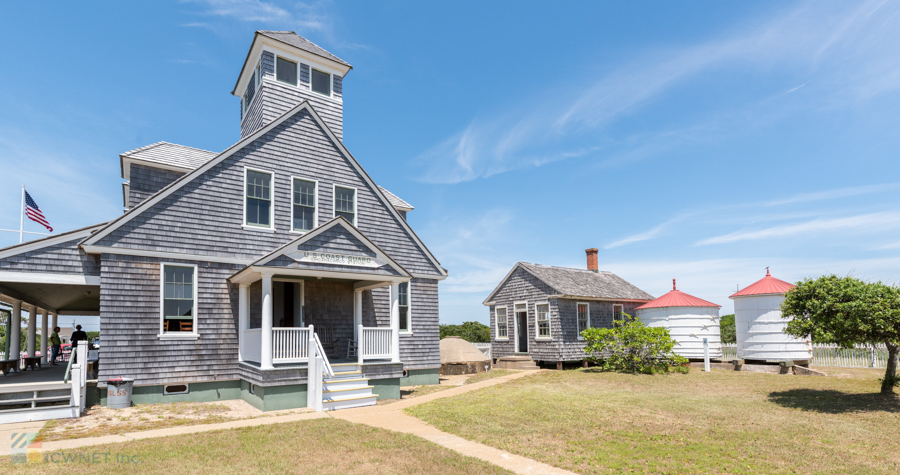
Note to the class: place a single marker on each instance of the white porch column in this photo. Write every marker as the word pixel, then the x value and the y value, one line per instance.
pixel 15 331
pixel 32 330
pixel 243 316
pixel 357 315
pixel 44 335
pixel 266 343
pixel 54 324
pixel 395 322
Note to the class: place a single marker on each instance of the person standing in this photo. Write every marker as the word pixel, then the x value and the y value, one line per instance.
pixel 77 336
pixel 55 345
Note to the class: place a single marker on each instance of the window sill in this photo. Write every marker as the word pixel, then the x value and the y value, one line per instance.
pixel 405 334
pixel 254 228
pixel 502 339
pixel 179 336
pixel 300 232
pixel 543 338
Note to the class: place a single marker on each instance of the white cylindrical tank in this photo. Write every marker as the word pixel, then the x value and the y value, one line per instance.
pixel 759 327
pixel 688 319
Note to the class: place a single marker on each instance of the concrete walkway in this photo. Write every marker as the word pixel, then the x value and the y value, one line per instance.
pixel 385 416
pixel 392 417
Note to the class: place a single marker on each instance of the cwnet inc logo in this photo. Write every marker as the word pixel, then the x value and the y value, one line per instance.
pixel 24 448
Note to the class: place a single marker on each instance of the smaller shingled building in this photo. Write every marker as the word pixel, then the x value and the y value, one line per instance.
pixel 540 311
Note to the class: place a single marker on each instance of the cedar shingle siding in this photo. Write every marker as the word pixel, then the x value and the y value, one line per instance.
pixel 62 258
pixel 522 285
pixel 146 181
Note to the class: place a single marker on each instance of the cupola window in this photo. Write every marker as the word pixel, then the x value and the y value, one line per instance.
pixel 286 71
pixel 321 82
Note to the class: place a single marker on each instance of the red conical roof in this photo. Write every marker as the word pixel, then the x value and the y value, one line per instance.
pixel 677 298
pixel 766 285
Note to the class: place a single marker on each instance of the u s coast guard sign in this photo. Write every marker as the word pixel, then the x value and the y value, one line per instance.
pixel 336 259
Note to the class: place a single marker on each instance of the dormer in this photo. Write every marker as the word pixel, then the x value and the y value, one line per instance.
pixel 283 69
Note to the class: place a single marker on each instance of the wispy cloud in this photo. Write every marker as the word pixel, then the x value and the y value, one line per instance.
pixel 835 193
pixel 304 16
pixel 646 235
pixel 542 131
pixel 867 222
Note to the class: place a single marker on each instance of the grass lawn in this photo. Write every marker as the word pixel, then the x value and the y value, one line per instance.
pixel 594 422
pixel 326 446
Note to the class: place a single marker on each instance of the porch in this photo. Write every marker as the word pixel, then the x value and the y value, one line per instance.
pixel 284 312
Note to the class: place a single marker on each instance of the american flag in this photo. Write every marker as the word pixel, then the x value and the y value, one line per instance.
pixel 34 213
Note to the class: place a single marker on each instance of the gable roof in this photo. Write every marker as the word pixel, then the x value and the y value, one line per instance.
pixel 677 298
pixel 166 155
pixel 293 39
pixel 188 177
pixel 574 283
pixel 396 201
pixel 331 223
pixel 767 285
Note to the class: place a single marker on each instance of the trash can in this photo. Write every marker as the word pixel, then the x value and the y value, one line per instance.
pixel 118 393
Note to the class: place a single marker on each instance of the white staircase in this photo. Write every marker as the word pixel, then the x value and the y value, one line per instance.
pixel 347 388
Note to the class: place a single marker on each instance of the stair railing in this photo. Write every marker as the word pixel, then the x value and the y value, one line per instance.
pixel 328 369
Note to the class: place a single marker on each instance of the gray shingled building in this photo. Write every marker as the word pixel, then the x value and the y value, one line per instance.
pixel 232 273
pixel 539 311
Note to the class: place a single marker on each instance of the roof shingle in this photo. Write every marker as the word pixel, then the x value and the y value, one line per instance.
pixel 586 283
pixel 171 154
pixel 395 200
pixel 297 41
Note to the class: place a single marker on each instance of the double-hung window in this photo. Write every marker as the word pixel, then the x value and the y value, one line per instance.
pixel 258 199
pixel 502 328
pixel 617 313
pixel 543 320
pixel 179 303
pixel 304 205
pixel 286 71
pixel 584 318
pixel 321 82
pixel 403 303
pixel 345 203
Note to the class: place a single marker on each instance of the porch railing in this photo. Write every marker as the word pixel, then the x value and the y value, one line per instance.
pixel 290 345
pixel 375 343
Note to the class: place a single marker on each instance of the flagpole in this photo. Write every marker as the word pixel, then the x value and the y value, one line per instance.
pixel 22 218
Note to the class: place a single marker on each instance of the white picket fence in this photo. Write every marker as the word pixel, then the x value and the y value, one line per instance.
pixel 860 356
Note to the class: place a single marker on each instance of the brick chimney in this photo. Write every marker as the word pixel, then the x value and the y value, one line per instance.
pixel 592 259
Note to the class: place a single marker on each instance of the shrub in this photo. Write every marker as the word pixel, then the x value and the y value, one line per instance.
pixel 726 329
pixel 473 332
pixel 632 347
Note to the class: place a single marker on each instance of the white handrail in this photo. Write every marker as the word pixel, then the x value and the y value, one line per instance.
pixel 321 351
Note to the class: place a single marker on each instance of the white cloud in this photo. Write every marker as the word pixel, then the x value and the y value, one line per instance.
pixel 835 193
pixel 866 222
pixel 839 46
pixel 302 16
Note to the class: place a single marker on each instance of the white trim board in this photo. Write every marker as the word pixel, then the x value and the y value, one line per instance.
pixel 162 255
pixel 179 183
pixel 48 278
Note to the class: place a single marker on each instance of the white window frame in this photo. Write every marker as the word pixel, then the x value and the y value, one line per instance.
pixel 621 312
pixel 297 70
pixel 330 82
pixel 588 305
pixel 162 303
pixel 497 323
pixel 515 320
pixel 315 208
pixel 250 227
pixel 334 188
pixel 537 322
pixel 409 330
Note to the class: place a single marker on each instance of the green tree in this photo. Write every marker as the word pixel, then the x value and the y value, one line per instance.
pixel 847 311
pixel 632 347
pixel 473 332
pixel 726 329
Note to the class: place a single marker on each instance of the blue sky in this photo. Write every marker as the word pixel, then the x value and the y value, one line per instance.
pixel 702 141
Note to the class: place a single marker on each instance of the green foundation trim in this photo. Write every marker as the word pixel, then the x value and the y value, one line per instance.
pixel 386 388
pixel 418 377
pixel 197 392
pixel 274 398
